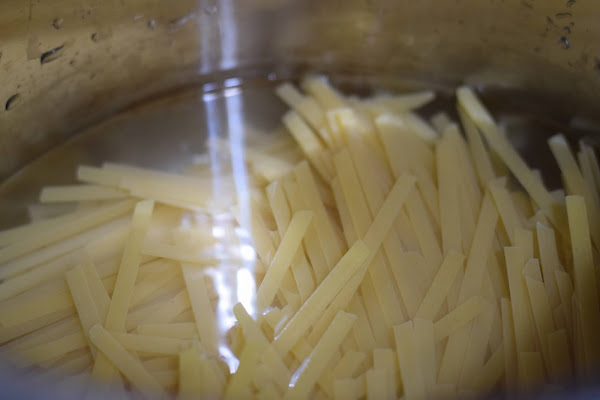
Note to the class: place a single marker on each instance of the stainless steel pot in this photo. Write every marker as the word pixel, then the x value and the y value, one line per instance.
pixel 67 64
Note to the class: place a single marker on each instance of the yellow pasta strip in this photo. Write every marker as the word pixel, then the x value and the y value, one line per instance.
pixel 84 301
pixel 397 140
pixel 381 331
pixel 308 189
pixel 147 286
pixel 481 158
pixel 98 176
pixel 47 333
pixel 471 285
pixel 44 255
pixel 386 360
pixel 203 313
pixel 450 224
pixel 300 269
pixel 310 311
pixel 158 313
pixel 542 314
pixel 45 299
pixel 590 170
pixel 565 290
pixel 52 350
pixel 182 331
pixel 362 331
pixel 412 379
pixel 491 372
pixel 424 342
pixel 279 207
pixel 454 355
pixel 72 365
pixel 23 232
pixel 238 386
pixel 575 184
pixel 268 392
pixel 345 389
pixel 306 106
pixel 108 247
pixel 252 332
pixel 167 379
pixel 31 279
pixel 121 297
pixel 97 290
pixel 424 230
pixel 125 362
pixel 515 262
pixel 327 96
pixel 9 333
pixel 506 209
pixel 440 286
pixel 361 219
pixel 378 385
pixel 549 261
pixel 312 243
pixel 560 317
pixel 310 144
pixel 481 117
pixel 69 227
pixel 457 318
pixel 348 364
pixel 151 344
pixel 397 103
pixel 372 170
pixel 58 194
pixel 476 350
pixel 162 363
pixel 42 212
pixel 479 252
pixel 357 132
pixel 585 280
pixel 532 269
pixel 173 189
pixel 578 342
pixel 593 160
pixel 379 229
pixel 190 370
pixel 524 240
pixel 305 378
pixel 301 349
pixel 411 274
pixel 286 251
pixel 419 126
pixel 510 347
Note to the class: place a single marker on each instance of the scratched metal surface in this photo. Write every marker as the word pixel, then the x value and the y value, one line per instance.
pixel 67 64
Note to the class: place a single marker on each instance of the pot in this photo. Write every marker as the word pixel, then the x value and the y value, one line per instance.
pixel 66 66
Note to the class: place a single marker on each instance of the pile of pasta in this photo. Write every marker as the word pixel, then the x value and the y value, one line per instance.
pixel 385 256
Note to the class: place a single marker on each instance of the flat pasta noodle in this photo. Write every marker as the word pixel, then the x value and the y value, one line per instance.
pixel 59 194
pixel 124 361
pixel 201 307
pixel 369 252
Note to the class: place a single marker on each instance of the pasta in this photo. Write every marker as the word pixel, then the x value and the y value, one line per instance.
pixel 372 254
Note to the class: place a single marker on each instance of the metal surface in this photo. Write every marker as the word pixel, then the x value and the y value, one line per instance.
pixel 67 64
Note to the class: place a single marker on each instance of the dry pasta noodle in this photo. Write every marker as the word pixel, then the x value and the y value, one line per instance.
pixel 379 256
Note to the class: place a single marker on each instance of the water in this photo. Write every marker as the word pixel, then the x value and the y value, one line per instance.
pixel 168 133
pixel 171 132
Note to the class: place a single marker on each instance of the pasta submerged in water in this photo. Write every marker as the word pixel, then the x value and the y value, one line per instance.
pixel 381 257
